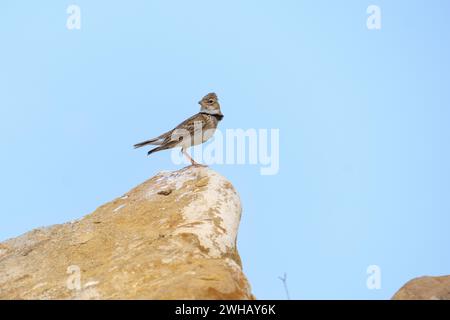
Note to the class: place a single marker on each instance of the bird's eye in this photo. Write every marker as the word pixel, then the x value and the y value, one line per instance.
pixel 210 100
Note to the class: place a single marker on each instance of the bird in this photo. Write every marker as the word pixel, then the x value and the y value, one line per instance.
pixel 193 131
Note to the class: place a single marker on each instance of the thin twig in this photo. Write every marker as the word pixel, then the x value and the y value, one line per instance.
pixel 284 279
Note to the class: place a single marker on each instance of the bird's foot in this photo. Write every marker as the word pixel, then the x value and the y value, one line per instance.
pixel 198 165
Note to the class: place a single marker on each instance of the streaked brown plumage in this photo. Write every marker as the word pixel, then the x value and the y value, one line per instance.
pixel 195 130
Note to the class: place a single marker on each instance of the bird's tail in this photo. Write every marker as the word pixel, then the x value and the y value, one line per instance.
pixel 163 147
pixel 156 141
pixel 144 143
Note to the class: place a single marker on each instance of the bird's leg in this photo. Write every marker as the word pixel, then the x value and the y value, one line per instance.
pixel 193 162
pixel 188 156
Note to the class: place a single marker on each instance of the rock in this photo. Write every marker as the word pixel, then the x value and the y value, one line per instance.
pixel 148 244
pixel 425 288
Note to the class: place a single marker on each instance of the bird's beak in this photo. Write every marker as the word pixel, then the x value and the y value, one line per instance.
pixel 200 102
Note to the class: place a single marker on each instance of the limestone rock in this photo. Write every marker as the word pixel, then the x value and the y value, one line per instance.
pixel 425 288
pixel 172 237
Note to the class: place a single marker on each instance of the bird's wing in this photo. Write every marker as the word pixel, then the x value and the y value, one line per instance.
pixel 177 133
pixel 189 127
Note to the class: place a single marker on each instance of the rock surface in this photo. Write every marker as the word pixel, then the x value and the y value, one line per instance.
pixel 172 237
pixel 425 288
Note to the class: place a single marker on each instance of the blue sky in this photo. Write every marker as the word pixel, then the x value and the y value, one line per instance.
pixel 363 117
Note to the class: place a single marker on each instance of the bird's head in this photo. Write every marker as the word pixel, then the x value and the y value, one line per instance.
pixel 210 104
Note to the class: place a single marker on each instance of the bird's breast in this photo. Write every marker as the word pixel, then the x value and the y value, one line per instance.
pixel 208 133
pixel 202 136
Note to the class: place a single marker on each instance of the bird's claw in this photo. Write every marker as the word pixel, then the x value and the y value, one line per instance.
pixel 198 165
